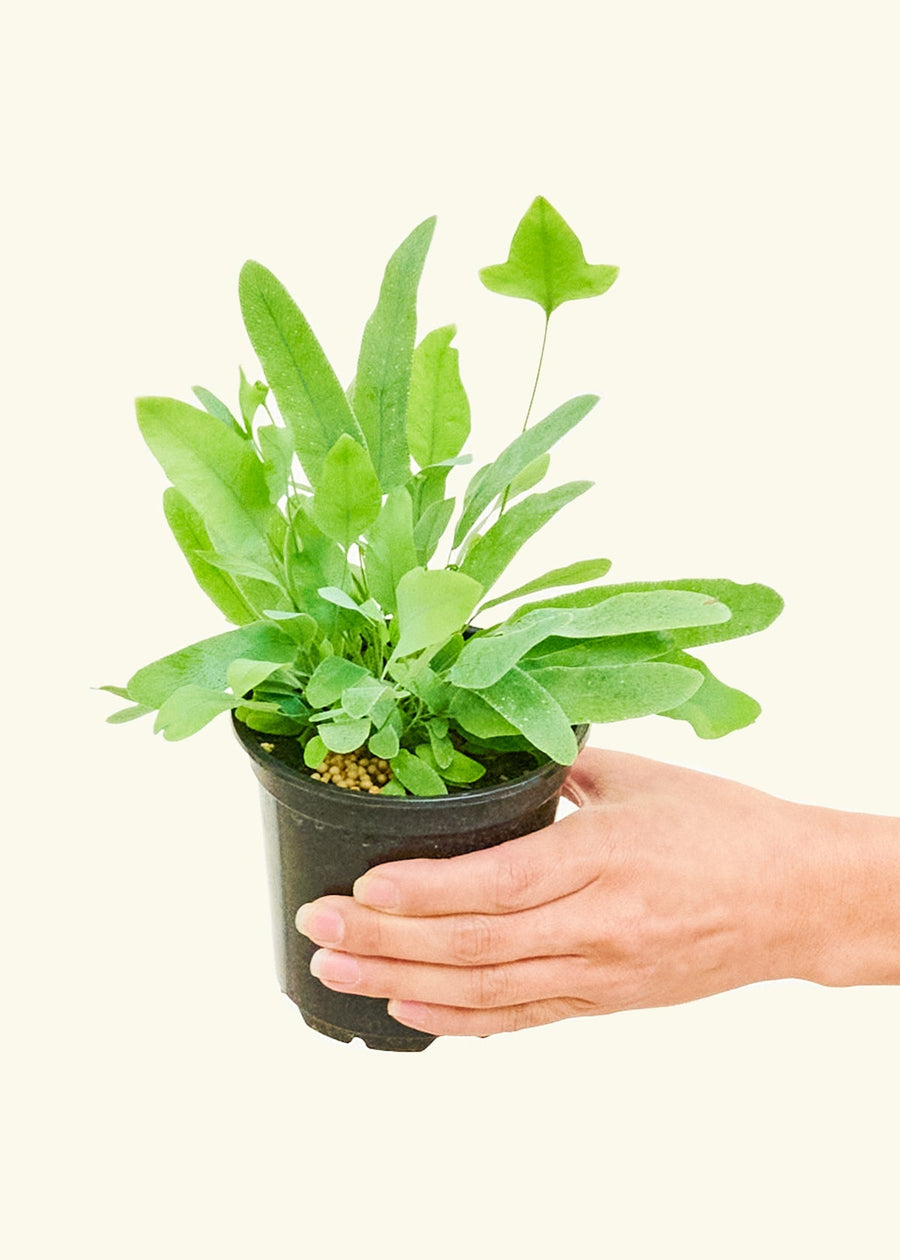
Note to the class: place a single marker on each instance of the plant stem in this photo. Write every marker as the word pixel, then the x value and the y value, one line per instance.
pixel 537 377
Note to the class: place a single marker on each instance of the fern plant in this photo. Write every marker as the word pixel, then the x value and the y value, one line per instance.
pixel 313 525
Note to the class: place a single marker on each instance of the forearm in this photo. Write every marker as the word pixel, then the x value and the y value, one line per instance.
pixel 855 890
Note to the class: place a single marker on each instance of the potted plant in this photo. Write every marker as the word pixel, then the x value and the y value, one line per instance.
pixel 388 709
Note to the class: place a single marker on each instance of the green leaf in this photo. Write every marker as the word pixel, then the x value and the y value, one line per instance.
pixel 393 788
pixel 533 711
pixel 277 451
pixel 308 393
pixel 205 664
pixel 330 678
pixel 714 709
pixel 432 604
pixel 381 389
pixel 486 658
pixel 244 675
pixel 121 692
pixel 300 626
pixel 621 649
pixel 269 723
pixel 348 496
pixel 568 575
pixel 187 526
pixel 334 595
pixel 459 768
pixel 416 775
pixel 251 398
pixel 315 752
pixel 189 709
pixel 313 562
pixel 215 407
pixel 492 480
pixel 128 715
pixel 438 417
pixel 488 556
pixel 430 528
pixel 217 472
pixel 614 695
pixel 360 698
pixel 473 713
pixel 238 567
pixel 530 475
pixel 753 606
pixel 546 263
pixel 390 551
pixel 384 743
pixel 344 737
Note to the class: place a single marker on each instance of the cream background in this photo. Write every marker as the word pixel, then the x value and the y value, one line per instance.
pixel 739 163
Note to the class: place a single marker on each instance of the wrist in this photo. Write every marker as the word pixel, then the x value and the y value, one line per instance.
pixel 851 933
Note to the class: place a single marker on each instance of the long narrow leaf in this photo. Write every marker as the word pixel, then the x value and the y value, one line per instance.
pixel 493 480
pixel 488 556
pixel 308 393
pixel 614 695
pixel 753 606
pixel 192 538
pixel 568 575
pixel 381 389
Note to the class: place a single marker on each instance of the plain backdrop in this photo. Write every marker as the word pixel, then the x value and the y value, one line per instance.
pixel 739 163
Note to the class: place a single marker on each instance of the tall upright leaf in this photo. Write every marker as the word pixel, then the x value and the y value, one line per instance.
pixel 491 481
pixel 191 536
pixel 390 550
pixel 217 472
pixel 438 416
pixel 348 496
pixel 308 393
pixel 546 262
pixel 381 389
pixel 489 555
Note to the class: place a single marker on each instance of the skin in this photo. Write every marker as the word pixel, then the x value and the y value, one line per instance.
pixel 664 886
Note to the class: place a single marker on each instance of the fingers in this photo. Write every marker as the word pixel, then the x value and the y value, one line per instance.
pixel 462 940
pixel 512 876
pixel 500 985
pixel 452 1021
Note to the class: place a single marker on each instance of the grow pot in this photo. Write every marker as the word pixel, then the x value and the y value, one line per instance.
pixel 320 838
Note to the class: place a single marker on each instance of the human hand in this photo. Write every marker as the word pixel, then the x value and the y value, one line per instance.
pixel 664 886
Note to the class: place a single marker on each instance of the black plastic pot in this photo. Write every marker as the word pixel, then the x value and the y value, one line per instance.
pixel 320 839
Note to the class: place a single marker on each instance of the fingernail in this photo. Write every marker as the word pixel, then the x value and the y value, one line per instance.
pixel 326 927
pixel 415 1014
pixel 336 968
pixel 377 892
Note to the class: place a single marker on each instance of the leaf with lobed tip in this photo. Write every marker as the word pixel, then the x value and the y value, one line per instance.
pixel 546 263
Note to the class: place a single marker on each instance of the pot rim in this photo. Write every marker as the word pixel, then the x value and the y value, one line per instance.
pixel 274 766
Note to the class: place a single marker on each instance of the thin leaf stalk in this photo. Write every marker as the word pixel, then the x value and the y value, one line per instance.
pixel 537 377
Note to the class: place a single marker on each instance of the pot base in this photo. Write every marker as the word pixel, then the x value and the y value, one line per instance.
pixel 373 1040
